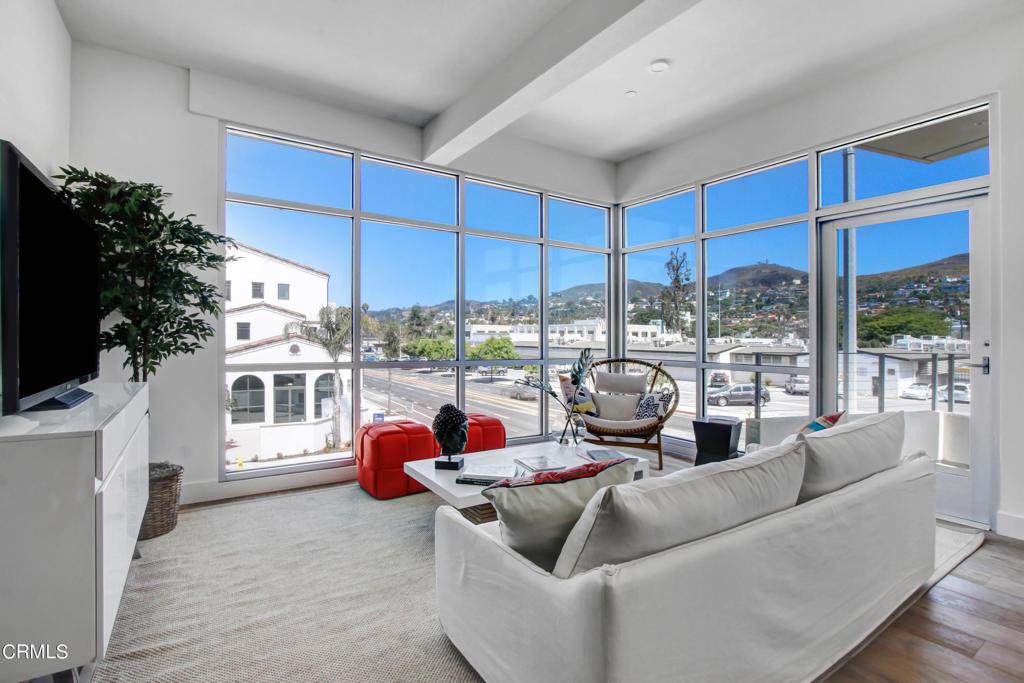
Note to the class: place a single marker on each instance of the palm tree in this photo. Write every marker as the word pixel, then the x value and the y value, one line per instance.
pixel 333 331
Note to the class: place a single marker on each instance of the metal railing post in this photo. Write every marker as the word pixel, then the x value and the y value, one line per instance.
pixel 881 383
pixel 950 400
pixel 935 382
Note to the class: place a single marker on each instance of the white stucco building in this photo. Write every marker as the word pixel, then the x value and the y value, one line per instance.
pixel 280 385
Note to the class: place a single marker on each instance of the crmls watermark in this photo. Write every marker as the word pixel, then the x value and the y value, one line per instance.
pixel 34 651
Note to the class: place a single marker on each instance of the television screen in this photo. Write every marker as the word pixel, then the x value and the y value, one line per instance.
pixel 51 290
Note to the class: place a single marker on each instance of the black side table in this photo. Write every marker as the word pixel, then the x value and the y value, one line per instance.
pixel 718 438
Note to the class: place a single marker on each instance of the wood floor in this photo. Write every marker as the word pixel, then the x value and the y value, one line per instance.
pixel 969 627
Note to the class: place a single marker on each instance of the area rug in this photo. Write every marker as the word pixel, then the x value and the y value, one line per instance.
pixel 321 585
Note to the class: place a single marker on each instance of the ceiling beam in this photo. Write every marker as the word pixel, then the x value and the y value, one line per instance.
pixel 580 38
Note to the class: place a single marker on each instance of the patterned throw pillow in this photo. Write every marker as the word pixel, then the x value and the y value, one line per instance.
pixel 822 422
pixel 536 514
pixel 584 398
pixel 653 405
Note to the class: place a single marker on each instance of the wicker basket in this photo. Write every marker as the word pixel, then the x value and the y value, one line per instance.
pixel 164 491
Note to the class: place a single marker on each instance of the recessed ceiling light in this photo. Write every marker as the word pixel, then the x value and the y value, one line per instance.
pixel 658 65
pixel 631 93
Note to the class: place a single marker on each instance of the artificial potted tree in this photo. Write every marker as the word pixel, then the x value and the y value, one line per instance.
pixel 153 300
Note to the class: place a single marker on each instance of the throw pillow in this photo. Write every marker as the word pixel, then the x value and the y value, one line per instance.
pixel 623 523
pixel 619 382
pixel 616 406
pixel 584 397
pixel 822 422
pixel 653 405
pixel 535 514
pixel 842 455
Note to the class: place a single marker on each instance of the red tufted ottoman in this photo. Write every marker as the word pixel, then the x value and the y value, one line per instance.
pixel 486 433
pixel 381 450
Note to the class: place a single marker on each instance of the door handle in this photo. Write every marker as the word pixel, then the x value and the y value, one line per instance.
pixel 985 365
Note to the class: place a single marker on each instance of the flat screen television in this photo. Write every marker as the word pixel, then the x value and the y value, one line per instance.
pixel 49 292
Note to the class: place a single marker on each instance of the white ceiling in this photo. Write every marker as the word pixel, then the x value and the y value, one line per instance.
pixel 405 60
pixel 410 60
pixel 730 55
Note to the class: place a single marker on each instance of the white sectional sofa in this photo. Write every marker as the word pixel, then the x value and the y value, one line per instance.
pixel 779 598
pixel 943 436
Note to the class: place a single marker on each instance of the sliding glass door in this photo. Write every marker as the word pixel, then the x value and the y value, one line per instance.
pixel 905 326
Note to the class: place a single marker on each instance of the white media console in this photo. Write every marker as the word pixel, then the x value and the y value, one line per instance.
pixel 73 489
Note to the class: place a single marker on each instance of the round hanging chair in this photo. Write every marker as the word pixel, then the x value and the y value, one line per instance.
pixel 600 430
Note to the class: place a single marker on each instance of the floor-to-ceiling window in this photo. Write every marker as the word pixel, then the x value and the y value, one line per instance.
pixel 717 290
pixel 720 279
pixel 905 295
pixel 366 289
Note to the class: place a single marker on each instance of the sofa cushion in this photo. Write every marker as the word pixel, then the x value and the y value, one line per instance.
pixel 619 383
pixel 616 406
pixel 535 514
pixel 627 522
pixel 847 453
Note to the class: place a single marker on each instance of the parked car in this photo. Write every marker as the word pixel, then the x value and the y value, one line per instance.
pixel 736 395
pixel 920 391
pixel 798 384
pixel 961 393
pixel 491 370
pixel 718 379
pixel 521 393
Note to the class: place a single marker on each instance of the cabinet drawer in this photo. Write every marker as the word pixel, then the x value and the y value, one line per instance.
pixel 113 436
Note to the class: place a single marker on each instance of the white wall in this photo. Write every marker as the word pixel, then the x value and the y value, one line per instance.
pixel 35 55
pixel 987 62
pixel 136 118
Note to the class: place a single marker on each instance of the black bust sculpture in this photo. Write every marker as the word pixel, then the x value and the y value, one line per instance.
pixel 451 429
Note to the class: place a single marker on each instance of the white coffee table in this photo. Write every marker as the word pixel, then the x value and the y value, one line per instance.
pixel 468 499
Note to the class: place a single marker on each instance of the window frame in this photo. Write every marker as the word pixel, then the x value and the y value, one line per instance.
pixel 461 364
pixel 821 384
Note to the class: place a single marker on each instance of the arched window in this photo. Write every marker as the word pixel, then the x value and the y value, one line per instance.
pixel 247 400
pixel 323 389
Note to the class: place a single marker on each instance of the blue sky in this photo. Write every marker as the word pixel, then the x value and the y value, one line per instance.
pixel 403 266
pixel 885 246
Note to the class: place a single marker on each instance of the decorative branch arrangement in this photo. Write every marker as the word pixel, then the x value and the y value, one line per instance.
pixel 577 376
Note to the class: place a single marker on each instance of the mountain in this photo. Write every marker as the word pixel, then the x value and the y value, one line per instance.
pixel 957 265
pixel 756 275
pixel 643 290
pixel 580 292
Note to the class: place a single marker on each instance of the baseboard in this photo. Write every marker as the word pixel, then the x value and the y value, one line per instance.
pixel 204 491
pixel 1010 524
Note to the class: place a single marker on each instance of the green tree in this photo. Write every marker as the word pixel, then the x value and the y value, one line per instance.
pixel 333 331
pixel 674 303
pixel 877 329
pixel 392 340
pixel 150 265
pixel 433 349
pixel 419 322
pixel 492 348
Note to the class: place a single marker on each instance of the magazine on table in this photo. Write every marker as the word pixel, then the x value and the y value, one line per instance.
pixel 603 454
pixel 484 475
pixel 540 463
